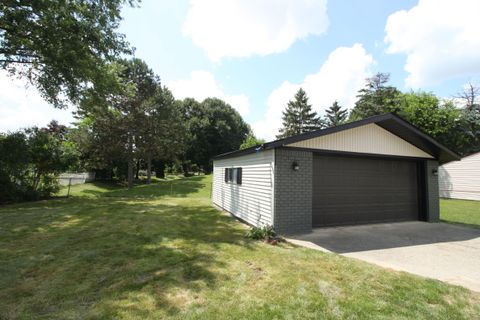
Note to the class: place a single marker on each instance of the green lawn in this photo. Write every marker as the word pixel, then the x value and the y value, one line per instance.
pixel 162 252
pixel 464 212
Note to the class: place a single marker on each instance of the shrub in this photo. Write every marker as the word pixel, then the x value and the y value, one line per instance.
pixel 261 233
pixel 174 168
pixel 30 160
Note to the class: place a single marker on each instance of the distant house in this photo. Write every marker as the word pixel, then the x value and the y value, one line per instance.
pixel 461 179
pixel 380 169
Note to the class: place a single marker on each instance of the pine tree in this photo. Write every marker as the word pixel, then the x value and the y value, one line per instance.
pixel 335 115
pixel 376 98
pixel 298 117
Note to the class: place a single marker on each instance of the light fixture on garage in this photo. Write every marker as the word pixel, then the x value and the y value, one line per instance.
pixel 295 166
pixel 435 172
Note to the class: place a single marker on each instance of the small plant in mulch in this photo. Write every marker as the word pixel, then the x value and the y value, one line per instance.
pixel 266 234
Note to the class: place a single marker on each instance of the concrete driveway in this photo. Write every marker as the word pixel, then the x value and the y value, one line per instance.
pixel 441 251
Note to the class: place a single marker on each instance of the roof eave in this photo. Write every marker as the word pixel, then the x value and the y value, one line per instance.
pixel 437 150
pixel 242 152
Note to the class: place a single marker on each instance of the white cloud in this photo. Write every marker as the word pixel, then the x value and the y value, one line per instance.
pixel 339 78
pixel 202 85
pixel 241 28
pixel 440 37
pixel 22 107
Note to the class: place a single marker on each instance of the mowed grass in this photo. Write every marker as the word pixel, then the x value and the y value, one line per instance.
pixel 162 252
pixel 466 212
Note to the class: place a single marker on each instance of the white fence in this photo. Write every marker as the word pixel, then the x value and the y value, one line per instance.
pixel 66 179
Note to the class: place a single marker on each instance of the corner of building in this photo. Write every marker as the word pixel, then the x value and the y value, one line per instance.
pixel 432 190
pixel 293 191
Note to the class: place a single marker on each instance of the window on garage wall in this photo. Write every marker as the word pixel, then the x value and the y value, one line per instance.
pixel 233 175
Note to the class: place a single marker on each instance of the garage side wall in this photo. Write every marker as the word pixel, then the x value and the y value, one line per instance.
pixel 293 192
pixel 433 214
pixel 252 201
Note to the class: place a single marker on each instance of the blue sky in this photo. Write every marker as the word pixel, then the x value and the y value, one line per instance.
pixel 256 54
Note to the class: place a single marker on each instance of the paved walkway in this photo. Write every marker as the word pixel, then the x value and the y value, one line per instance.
pixel 441 251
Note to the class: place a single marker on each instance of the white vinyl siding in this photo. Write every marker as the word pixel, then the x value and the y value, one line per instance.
pixel 461 179
pixel 365 139
pixel 252 200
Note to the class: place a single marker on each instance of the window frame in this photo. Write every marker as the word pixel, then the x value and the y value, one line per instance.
pixel 233 175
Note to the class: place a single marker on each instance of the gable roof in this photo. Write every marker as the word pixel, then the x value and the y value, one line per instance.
pixel 368 139
pixel 389 122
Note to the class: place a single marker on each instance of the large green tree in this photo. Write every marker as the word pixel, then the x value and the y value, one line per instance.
pixel 376 98
pixel 214 127
pixel 163 134
pixel 335 115
pixel 99 141
pixel 118 121
pixel 438 118
pixel 132 108
pixel 298 117
pixel 62 47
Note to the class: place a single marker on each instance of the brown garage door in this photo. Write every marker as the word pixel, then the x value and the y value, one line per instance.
pixel 351 190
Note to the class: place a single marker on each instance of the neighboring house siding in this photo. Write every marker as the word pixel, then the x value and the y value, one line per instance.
pixel 365 139
pixel 461 179
pixel 293 191
pixel 252 201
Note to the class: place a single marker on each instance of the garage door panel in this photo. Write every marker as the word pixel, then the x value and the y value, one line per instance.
pixel 344 217
pixel 350 190
pixel 367 201
pixel 369 194
pixel 383 208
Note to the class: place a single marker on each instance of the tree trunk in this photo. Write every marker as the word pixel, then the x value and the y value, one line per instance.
pixel 138 169
pixel 185 167
pixel 159 169
pixel 130 173
pixel 130 164
pixel 36 180
pixel 149 169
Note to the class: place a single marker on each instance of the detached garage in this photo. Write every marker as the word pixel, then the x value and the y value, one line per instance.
pixel 381 169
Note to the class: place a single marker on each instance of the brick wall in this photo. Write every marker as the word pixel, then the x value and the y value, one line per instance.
pixel 293 192
pixel 432 192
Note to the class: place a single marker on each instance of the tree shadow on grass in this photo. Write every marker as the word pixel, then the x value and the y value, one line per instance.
pixel 102 255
